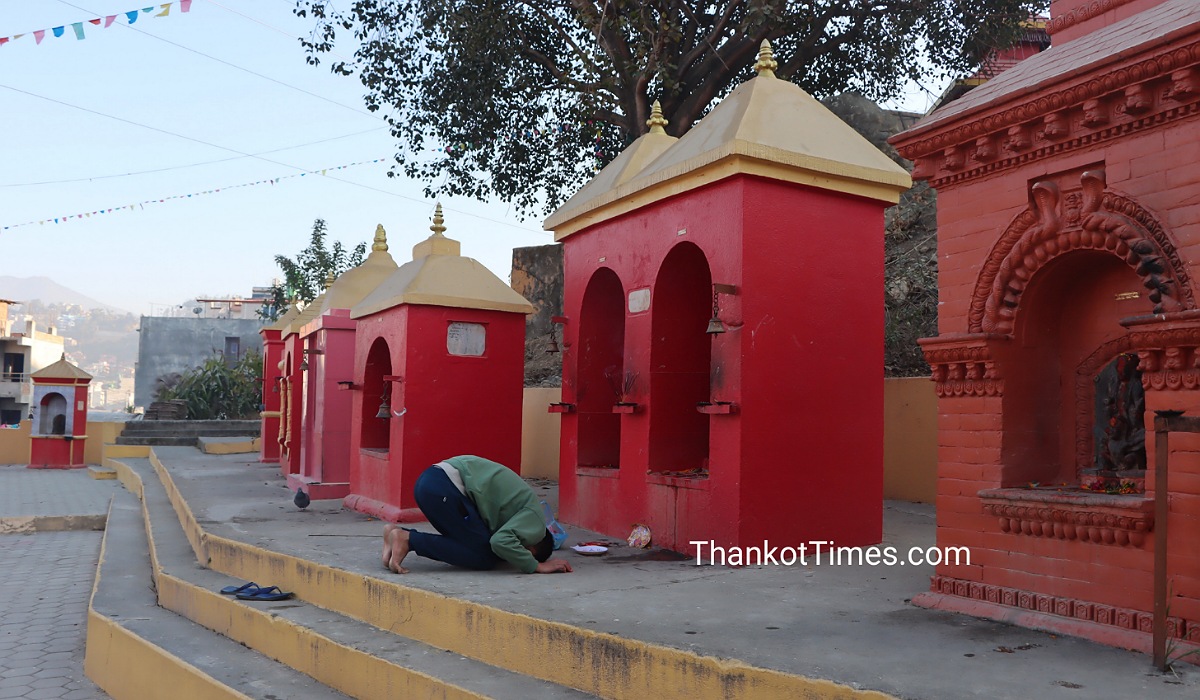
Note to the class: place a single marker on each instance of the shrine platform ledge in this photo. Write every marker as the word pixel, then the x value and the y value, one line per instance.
pixel 630 624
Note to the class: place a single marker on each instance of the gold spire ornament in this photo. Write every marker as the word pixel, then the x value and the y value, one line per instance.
pixel 437 227
pixel 329 279
pixel 380 243
pixel 766 64
pixel 657 122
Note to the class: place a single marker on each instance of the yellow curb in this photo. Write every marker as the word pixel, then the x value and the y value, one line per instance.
pixel 101 473
pixel 343 668
pixel 230 448
pixel 118 451
pixel 594 662
pixel 128 667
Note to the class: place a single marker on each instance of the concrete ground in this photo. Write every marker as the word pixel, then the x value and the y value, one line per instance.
pixel 850 624
pixel 48 568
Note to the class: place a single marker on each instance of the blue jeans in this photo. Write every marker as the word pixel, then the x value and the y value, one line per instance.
pixel 465 539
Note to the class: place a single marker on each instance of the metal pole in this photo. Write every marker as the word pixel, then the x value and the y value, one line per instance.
pixel 1160 539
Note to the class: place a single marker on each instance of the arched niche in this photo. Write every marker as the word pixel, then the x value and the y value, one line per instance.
pixel 1066 333
pixel 680 358
pixel 375 431
pixel 53 416
pixel 600 373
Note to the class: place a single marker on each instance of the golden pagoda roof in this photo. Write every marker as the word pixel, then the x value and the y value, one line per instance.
pixel 627 165
pixel 353 285
pixel 286 318
pixel 62 369
pixel 766 127
pixel 309 313
pixel 438 275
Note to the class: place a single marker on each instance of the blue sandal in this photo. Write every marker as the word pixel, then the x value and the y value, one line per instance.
pixel 244 588
pixel 269 593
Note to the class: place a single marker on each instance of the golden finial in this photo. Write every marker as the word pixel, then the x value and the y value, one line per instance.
pixel 437 227
pixel 656 122
pixel 380 239
pixel 329 279
pixel 766 64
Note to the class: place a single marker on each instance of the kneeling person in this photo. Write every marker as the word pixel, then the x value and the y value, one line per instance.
pixel 484 512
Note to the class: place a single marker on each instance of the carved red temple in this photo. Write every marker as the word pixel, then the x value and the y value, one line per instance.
pixel 1069 233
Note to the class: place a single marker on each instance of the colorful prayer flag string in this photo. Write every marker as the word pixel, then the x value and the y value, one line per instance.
pixel 142 205
pixel 77 27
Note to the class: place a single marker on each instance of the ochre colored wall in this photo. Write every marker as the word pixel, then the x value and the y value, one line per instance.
pixel 540 433
pixel 99 435
pixel 909 440
pixel 14 444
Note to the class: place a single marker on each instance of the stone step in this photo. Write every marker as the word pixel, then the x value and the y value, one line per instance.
pixel 174 441
pixel 176 424
pixel 192 428
pixel 136 649
pixel 349 655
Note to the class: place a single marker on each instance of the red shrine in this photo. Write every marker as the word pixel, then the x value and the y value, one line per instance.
pixel 438 371
pixel 1068 236
pixel 723 329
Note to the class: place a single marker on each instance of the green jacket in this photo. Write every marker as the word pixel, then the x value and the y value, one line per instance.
pixel 508 506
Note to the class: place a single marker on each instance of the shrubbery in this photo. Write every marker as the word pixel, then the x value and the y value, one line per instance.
pixel 216 390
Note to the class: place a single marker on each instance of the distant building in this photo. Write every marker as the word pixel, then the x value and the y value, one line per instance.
pixel 227 307
pixel 170 345
pixel 24 350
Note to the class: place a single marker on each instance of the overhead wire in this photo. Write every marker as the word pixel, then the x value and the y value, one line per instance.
pixel 252 155
pixel 235 66
pixel 188 165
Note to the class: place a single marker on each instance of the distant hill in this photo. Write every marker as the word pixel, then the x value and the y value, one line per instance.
pixel 49 292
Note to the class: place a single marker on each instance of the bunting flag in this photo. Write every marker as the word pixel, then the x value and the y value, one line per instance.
pixel 77 27
pixel 142 205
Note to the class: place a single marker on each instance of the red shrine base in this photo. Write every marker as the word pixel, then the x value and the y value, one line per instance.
pixel 318 490
pixel 57 452
pixel 382 510
pixel 1120 627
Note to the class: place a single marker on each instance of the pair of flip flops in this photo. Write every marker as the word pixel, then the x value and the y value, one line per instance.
pixel 253 591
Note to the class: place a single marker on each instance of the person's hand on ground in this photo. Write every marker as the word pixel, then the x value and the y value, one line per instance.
pixel 554 566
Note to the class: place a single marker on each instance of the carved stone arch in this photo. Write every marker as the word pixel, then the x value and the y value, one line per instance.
pixel 1092 219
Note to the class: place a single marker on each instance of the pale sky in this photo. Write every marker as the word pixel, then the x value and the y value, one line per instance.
pixel 134 114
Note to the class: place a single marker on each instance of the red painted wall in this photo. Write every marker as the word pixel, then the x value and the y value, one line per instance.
pixel 289 461
pixel 452 404
pixel 802 460
pixel 269 434
pixel 326 424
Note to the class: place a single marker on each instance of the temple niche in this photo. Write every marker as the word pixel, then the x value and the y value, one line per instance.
pixel 1067 316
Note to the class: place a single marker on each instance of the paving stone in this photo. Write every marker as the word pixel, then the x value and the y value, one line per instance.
pixel 48 579
pixel 17 681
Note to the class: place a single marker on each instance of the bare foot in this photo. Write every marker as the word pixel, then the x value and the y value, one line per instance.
pixel 399 541
pixel 387 543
